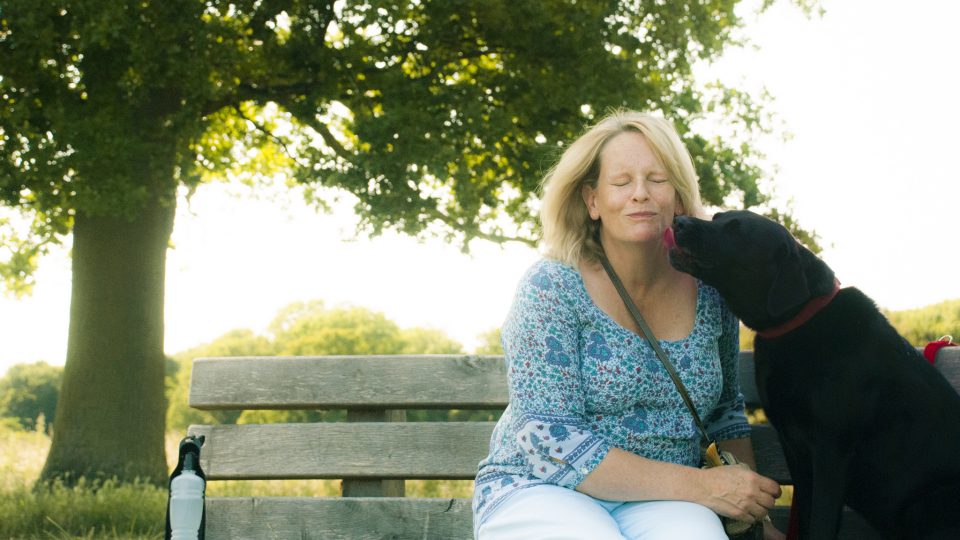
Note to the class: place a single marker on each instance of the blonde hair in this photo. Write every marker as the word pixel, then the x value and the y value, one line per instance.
pixel 569 234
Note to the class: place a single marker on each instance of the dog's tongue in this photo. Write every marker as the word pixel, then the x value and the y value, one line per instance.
pixel 668 239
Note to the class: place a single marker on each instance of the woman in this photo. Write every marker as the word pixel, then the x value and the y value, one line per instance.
pixel 596 442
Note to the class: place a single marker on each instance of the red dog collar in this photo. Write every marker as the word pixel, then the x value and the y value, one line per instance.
pixel 808 311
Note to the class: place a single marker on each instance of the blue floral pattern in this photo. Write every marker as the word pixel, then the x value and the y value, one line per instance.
pixel 581 384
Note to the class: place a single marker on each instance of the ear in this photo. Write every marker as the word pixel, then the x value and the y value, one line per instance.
pixel 590 199
pixel 678 208
pixel 789 288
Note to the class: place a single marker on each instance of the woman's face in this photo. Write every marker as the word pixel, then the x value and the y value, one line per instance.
pixel 634 200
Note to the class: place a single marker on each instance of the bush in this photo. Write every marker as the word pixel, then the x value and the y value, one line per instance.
pixel 29 392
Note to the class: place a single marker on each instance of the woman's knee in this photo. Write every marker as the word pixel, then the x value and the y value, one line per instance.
pixel 668 520
pixel 548 511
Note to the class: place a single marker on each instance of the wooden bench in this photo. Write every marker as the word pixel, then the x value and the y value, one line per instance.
pixel 375 449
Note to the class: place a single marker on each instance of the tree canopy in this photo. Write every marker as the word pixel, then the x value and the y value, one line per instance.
pixel 433 116
pixel 428 116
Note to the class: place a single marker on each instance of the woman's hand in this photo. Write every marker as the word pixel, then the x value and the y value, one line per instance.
pixel 737 492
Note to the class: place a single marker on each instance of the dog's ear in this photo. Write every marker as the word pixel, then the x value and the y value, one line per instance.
pixel 789 288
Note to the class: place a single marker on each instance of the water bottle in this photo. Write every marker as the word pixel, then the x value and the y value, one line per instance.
pixel 185 509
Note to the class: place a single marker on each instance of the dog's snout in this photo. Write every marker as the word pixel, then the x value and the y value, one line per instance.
pixel 680 222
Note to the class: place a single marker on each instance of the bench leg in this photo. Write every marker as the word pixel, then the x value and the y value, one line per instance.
pixel 373 487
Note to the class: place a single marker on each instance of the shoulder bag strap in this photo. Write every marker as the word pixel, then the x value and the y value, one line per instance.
pixel 648 334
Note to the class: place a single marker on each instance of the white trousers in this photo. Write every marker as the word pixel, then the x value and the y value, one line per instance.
pixel 547 512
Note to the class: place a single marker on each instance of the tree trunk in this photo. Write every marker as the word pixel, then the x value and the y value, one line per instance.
pixel 110 415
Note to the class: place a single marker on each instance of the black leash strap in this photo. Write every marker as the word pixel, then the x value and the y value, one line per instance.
pixel 647 333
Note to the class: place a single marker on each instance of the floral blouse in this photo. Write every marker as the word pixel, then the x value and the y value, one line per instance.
pixel 581 384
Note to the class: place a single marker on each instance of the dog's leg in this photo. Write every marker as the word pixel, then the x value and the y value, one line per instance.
pixel 798 461
pixel 802 504
pixel 828 488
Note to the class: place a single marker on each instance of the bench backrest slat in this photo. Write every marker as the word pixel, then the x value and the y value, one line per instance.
pixel 345 382
pixel 414 450
pixel 368 450
pixel 390 382
pixel 447 450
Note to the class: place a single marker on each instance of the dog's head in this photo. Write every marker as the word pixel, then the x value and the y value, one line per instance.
pixel 758 267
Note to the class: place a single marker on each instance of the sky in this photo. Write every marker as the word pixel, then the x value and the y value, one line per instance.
pixel 870 93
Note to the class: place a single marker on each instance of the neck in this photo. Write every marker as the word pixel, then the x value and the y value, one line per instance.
pixel 813 306
pixel 639 266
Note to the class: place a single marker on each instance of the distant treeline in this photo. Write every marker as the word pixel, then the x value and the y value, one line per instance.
pixel 923 325
pixel 919 326
pixel 29 392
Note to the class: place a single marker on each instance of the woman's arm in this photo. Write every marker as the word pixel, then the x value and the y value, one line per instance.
pixel 735 492
pixel 540 342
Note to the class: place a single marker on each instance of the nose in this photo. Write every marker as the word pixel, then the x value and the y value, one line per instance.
pixel 681 222
pixel 640 192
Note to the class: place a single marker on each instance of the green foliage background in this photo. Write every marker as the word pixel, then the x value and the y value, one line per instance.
pixel 29 391
pixel 923 325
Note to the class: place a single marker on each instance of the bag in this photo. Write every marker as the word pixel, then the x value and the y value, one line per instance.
pixel 736 530
pixel 712 455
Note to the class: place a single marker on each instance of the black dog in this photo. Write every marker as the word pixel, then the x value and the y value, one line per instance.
pixel 863 418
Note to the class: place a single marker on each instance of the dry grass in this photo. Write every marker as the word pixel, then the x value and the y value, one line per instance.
pixel 22 454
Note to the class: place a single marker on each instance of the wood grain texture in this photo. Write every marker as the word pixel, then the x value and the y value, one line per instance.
pixel 948 362
pixel 345 382
pixel 364 450
pixel 769 455
pixel 362 487
pixel 385 382
pixel 324 518
pixel 447 450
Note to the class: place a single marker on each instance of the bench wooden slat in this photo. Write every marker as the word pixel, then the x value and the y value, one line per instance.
pixel 391 382
pixel 444 450
pixel 345 382
pixel 769 455
pixel 948 362
pixel 348 518
pixel 449 450
pixel 363 518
